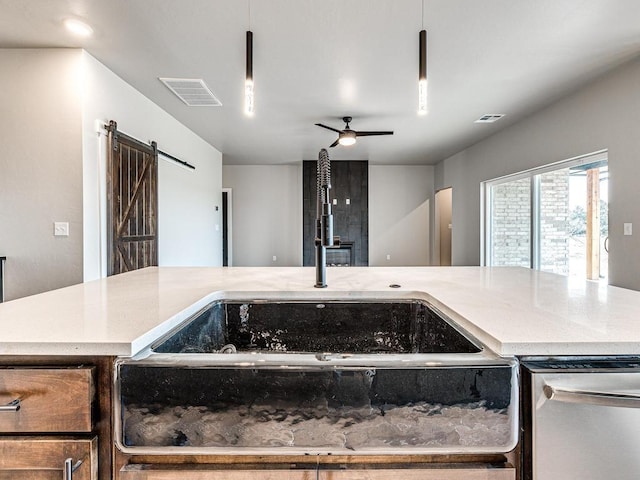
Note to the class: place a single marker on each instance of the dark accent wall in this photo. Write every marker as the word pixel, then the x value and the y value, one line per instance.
pixel 349 180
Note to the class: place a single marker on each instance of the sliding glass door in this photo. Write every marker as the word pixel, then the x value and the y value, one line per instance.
pixel 552 218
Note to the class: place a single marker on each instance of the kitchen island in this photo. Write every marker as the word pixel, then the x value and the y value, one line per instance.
pixel 514 312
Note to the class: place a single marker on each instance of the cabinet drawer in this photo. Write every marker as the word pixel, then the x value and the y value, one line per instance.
pixel 39 458
pixel 439 472
pixel 51 399
pixel 202 472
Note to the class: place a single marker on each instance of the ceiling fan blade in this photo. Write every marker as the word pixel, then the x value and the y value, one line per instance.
pixel 334 143
pixel 328 128
pixel 369 134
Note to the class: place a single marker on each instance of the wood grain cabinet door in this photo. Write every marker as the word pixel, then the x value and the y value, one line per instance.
pixel 40 400
pixel 40 458
pixel 201 472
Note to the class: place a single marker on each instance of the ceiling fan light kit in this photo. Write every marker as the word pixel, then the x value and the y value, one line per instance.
pixel 347 138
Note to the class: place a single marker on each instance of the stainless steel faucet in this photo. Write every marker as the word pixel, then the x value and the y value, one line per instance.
pixel 324 218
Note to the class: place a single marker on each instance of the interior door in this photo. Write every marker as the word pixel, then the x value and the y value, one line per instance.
pixel 132 203
pixel 444 199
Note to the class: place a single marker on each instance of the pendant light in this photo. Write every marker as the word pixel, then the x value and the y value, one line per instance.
pixel 422 70
pixel 249 101
pixel 248 82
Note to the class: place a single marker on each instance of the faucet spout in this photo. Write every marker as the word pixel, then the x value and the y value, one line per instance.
pixel 324 218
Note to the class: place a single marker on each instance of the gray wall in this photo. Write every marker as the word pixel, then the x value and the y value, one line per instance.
pixel 400 203
pixel 603 115
pixel 40 169
pixel 267 214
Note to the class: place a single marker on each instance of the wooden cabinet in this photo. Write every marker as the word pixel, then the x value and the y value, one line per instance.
pixel 36 458
pixel 202 472
pixel 53 401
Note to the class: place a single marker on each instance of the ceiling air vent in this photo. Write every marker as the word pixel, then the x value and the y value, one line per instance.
pixel 490 118
pixel 192 91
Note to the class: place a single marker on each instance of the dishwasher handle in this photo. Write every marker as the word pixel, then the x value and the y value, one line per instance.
pixel 591 397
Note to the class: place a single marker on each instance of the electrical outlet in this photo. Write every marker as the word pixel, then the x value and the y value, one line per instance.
pixel 61 229
pixel 388 257
pixel 275 258
pixel 628 228
pixel 348 201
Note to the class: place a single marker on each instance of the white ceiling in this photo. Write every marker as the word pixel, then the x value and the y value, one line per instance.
pixel 319 60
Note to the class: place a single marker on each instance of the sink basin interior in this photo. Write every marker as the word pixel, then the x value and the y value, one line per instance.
pixel 410 326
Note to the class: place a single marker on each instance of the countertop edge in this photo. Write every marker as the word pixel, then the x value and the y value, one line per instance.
pixel 512 311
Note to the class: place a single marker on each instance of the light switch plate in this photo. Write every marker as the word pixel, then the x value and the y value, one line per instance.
pixel 61 229
pixel 628 228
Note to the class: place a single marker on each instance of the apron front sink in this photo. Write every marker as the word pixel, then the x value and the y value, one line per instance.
pixel 317 377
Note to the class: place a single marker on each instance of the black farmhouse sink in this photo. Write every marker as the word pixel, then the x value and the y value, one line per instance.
pixel 316 377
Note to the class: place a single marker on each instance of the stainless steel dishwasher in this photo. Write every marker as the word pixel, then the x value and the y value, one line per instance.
pixel 584 416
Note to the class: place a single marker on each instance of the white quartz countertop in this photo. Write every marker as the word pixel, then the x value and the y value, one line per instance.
pixel 513 311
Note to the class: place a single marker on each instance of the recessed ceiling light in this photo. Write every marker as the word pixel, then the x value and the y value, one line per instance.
pixel 77 27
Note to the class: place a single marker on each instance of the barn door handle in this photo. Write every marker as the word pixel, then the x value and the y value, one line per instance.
pixel 70 467
pixel 12 406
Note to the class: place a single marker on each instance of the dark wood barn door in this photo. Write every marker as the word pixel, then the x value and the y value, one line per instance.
pixel 132 203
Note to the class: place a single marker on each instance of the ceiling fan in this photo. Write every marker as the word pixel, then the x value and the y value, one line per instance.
pixel 347 136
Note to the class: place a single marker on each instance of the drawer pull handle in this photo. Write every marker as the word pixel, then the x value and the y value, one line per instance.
pixel 69 468
pixel 12 406
pixel 591 397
